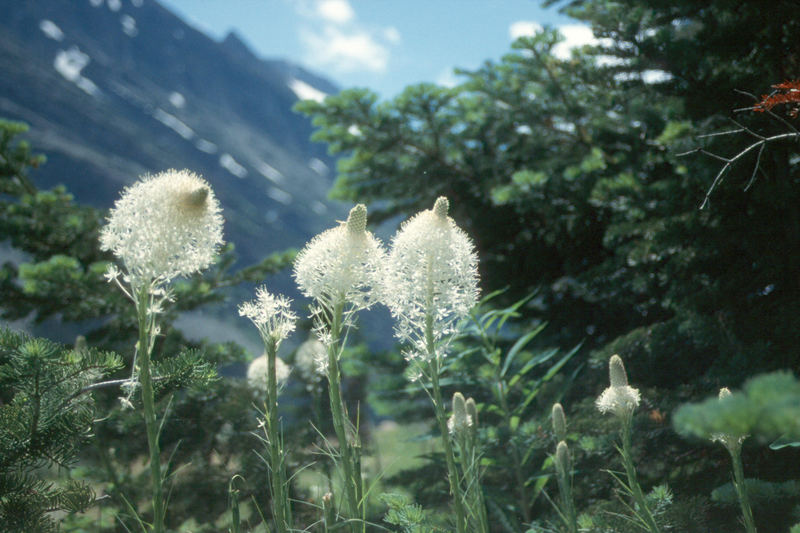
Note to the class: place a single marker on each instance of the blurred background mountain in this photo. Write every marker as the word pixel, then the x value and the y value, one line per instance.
pixel 113 90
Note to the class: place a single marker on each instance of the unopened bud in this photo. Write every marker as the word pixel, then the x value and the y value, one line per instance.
pixel 559 422
pixel 472 412
pixel 357 220
pixel 80 344
pixel 441 207
pixel 562 458
pixel 616 372
pixel 460 420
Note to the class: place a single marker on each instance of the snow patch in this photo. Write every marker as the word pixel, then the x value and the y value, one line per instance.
pixel 206 146
pixel 269 172
pixel 114 5
pixel 173 123
pixel 279 195
pixel 70 63
pixel 129 25
pixel 227 162
pixel 50 29
pixel 305 91
pixel 177 99
pixel 318 166
pixel 137 3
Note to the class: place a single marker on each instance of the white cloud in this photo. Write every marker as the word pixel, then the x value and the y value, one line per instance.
pixel 344 51
pixel 337 11
pixel 334 39
pixel 447 78
pixel 523 28
pixel 575 35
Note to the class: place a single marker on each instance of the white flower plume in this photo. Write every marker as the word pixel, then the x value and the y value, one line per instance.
pixel 620 398
pixel 431 280
pixel 258 372
pixel 271 314
pixel 164 226
pixel 342 265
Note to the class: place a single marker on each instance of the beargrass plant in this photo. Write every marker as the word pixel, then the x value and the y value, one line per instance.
pixel 733 443
pixel 463 426
pixel 274 320
pixel 621 400
pixel 340 270
pixel 563 462
pixel 162 227
pixel 430 286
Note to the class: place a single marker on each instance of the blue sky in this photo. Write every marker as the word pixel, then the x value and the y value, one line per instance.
pixel 380 44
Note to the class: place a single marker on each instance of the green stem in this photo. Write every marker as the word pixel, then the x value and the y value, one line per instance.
pixel 281 510
pixel 565 489
pixel 352 484
pixel 633 483
pixel 741 490
pixel 522 494
pixel 148 403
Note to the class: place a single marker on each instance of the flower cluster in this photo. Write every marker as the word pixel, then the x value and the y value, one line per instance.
pixel 258 372
pixel 164 226
pixel 311 359
pixel 271 314
pixel 431 280
pixel 342 265
pixel 620 398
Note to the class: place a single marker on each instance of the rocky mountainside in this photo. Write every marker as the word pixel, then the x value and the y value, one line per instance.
pixel 114 89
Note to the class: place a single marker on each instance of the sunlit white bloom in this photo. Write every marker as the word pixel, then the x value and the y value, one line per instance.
pixel 431 281
pixel 311 359
pixel 620 398
pixel 162 227
pixel 342 265
pixel 271 314
pixel 258 372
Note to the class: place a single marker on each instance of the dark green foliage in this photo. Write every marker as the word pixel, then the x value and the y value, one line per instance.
pixel 408 516
pixel 46 415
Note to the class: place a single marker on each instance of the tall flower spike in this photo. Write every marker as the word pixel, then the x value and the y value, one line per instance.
pixel 620 398
pixel 431 281
pixel 342 264
pixel 164 226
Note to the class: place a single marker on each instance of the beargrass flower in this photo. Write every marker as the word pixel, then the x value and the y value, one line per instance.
pixel 342 265
pixel 162 227
pixel 620 398
pixel 258 370
pixel 311 360
pixel 271 314
pixel 431 281
pixel 460 421
pixel 731 441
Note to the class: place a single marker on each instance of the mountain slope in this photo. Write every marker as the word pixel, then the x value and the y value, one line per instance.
pixel 117 88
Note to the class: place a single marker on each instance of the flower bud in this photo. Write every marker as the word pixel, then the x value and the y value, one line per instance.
pixel 562 458
pixel 441 207
pixel 460 420
pixel 357 220
pixel 472 413
pixel 616 371
pixel 559 422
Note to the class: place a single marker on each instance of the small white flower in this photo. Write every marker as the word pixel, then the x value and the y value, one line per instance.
pixel 432 278
pixel 732 442
pixel 162 227
pixel 342 265
pixel 258 372
pixel 271 314
pixel 620 398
